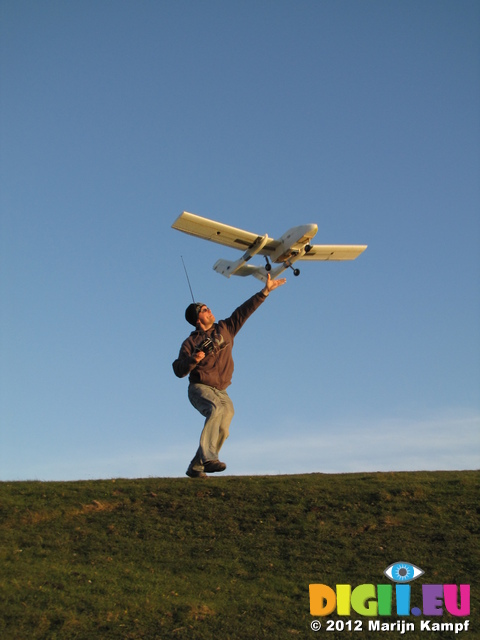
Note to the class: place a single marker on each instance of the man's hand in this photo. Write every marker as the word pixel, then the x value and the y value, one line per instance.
pixel 272 284
pixel 200 355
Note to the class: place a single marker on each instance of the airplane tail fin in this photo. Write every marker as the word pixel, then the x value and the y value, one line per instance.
pixel 225 267
pixel 228 268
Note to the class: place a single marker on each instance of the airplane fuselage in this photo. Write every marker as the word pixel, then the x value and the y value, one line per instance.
pixel 293 242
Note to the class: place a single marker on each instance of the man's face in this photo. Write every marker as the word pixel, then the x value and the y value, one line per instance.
pixel 206 317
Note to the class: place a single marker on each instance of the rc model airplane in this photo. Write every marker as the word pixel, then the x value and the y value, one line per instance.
pixel 293 245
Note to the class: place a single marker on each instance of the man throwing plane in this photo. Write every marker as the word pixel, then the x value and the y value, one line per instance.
pixel 206 356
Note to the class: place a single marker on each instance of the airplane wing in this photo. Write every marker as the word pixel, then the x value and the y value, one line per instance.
pixel 334 252
pixel 221 233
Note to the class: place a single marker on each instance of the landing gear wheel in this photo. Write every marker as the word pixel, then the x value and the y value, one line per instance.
pixel 268 267
pixel 296 272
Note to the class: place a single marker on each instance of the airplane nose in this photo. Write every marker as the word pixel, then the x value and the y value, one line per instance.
pixel 311 229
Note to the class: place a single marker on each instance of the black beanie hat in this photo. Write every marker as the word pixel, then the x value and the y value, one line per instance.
pixel 192 311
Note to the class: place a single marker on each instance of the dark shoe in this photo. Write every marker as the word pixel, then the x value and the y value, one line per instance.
pixel 214 466
pixel 191 473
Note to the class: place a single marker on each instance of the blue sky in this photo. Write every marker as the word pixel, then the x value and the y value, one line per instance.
pixel 362 117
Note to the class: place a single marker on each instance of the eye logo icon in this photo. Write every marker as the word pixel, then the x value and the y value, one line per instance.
pixel 403 572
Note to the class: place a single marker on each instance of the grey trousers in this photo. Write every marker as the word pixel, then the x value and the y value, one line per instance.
pixel 217 408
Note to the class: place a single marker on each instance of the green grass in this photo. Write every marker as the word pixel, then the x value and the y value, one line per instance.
pixel 226 557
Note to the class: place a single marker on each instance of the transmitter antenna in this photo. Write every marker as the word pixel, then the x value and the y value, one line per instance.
pixel 188 279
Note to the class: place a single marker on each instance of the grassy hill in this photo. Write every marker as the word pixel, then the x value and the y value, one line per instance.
pixel 226 557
